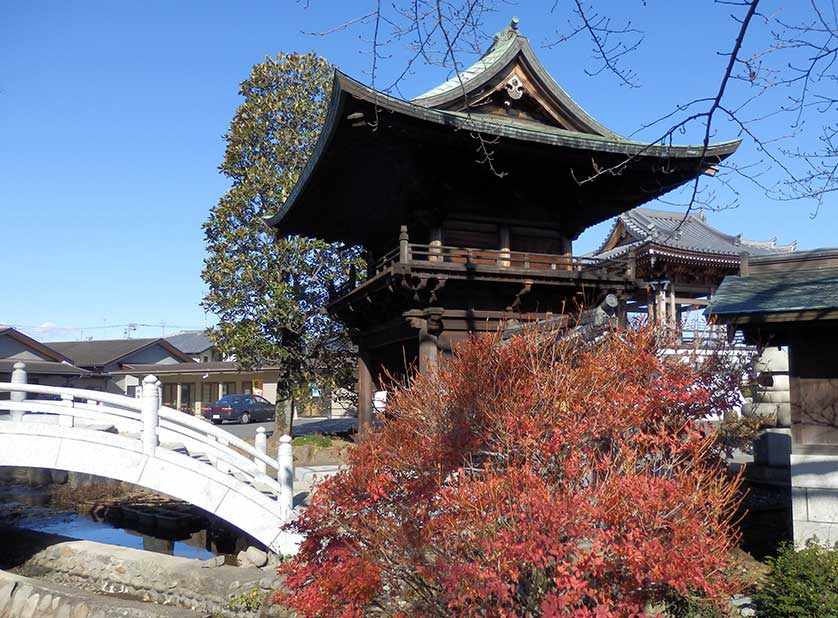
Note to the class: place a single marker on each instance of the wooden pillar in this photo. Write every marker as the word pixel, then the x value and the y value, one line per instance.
pixel 631 267
pixel 673 312
pixel 661 306
pixel 404 245
pixel 622 314
pixel 179 392
pixel 435 244
pixel 505 245
pixel 428 352
pixel 651 305
pixel 365 391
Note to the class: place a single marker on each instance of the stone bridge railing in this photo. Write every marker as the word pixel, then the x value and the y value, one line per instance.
pixel 261 485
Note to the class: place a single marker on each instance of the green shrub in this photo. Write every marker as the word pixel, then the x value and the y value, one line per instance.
pixel 248 600
pixel 802 584
pixel 314 439
pixel 692 606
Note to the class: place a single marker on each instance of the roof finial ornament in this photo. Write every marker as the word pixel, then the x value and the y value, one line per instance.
pixel 508 33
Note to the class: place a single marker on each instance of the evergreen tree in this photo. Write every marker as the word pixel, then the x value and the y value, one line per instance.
pixel 269 293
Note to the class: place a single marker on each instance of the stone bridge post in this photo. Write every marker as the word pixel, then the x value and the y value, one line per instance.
pixel 150 401
pixel 261 444
pixel 285 475
pixel 18 377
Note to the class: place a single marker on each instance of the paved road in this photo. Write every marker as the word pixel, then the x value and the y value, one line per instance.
pixel 302 426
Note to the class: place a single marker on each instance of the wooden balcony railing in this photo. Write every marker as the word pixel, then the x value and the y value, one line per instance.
pixel 491 261
pixel 414 253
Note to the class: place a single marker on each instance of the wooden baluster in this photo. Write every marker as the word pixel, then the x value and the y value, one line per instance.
pixel 404 245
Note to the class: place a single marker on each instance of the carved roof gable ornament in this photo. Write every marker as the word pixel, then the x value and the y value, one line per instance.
pixel 514 87
pixel 510 73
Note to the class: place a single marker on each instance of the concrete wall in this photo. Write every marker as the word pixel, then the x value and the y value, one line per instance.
pixel 813 388
pixel 814 490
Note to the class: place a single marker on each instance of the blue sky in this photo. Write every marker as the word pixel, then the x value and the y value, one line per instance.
pixel 112 116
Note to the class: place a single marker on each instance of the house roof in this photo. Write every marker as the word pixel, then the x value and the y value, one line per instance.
pixel 190 341
pixel 777 292
pixel 191 367
pixel 98 353
pixel 44 367
pixel 34 344
pixel 647 227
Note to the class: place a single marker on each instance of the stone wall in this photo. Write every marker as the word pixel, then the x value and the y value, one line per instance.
pixel 23 597
pixel 206 586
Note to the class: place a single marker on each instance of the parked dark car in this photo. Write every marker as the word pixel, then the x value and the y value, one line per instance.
pixel 241 408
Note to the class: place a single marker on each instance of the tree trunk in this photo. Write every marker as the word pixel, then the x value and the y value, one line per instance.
pixel 284 418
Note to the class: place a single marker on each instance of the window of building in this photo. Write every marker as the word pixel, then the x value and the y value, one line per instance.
pixel 187 397
pixel 209 392
pixel 228 388
pixel 170 395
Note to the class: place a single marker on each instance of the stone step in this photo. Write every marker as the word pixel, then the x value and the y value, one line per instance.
pixel 174 446
pixel 264 488
pixel 202 457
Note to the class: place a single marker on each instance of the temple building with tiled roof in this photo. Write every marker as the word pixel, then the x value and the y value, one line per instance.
pixel 467 200
pixel 682 256
pixel 644 231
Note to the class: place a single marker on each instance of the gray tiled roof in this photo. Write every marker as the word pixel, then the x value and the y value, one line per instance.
pixel 211 367
pixel 670 229
pixel 776 292
pixel 42 367
pixel 96 353
pixel 190 341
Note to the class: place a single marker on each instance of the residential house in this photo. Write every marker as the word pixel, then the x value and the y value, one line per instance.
pixel 45 364
pixel 105 359
pixel 197 344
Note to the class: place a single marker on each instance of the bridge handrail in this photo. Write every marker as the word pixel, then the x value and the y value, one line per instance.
pixel 221 437
pixel 122 401
pixel 142 423
pixel 99 413
pixel 36 406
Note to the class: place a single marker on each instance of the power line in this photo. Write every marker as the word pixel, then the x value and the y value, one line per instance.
pixel 158 325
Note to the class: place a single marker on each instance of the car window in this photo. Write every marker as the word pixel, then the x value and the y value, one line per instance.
pixel 263 400
pixel 249 400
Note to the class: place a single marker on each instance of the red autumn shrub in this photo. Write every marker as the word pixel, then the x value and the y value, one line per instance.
pixel 528 478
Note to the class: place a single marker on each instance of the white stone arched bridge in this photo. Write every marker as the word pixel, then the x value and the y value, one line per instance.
pixel 142 442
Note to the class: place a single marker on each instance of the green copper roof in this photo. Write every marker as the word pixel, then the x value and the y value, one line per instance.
pixel 777 292
pixel 503 42
pixel 508 46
